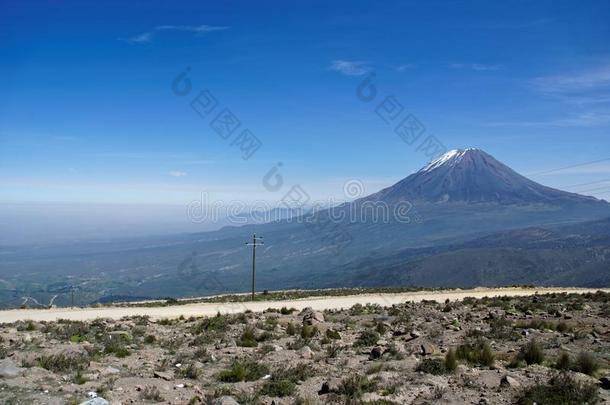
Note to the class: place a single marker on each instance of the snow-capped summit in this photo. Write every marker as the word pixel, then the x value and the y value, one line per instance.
pixel 452 157
pixel 473 176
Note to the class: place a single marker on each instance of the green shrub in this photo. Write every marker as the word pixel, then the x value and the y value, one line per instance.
pixel 248 338
pixel 278 388
pixel 190 371
pixel 116 347
pixel 26 326
pixel 245 370
pixel 531 353
pixel 77 339
pixel 450 360
pixel 165 322
pixel 367 338
pixel 380 328
pixel 284 379
pixel 560 390
pixel 355 386
pixel 291 329
pixel 61 362
pixel 79 378
pixel 356 309
pixel 286 311
pixel 3 352
pixel 333 350
pixel 502 329
pixel 586 363
pixel 375 367
pixel 150 339
pixel 308 331
pixel 542 324
pixel 434 366
pixel 332 334
pixel 563 362
pixel 218 323
pixel 478 353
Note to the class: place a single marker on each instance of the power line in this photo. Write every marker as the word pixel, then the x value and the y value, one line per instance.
pixel 586 184
pixel 595 189
pixel 569 167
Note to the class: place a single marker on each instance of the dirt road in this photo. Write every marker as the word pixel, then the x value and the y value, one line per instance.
pixel 318 303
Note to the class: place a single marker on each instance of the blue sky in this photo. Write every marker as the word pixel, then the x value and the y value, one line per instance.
pixel 88 114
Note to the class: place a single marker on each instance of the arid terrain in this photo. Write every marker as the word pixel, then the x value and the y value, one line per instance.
pixel 551 348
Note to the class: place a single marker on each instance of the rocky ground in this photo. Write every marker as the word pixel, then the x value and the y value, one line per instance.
pixel 544 349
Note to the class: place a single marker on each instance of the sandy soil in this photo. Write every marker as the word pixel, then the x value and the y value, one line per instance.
pixel 317 303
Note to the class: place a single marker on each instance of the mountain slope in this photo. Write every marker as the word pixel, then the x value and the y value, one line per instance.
pixel 573 255
pixel 473 176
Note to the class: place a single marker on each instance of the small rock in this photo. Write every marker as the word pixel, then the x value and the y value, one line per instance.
pixel 110 370
pixel 399 332
pixel 376 353
pixel 306 352
pixel 427 349
pixel 311 317
pixel 96 401
pixel 226 400
pixel 8 369
pixel 164 375
pixel 508 381
pixel 415 334
pixel 329 386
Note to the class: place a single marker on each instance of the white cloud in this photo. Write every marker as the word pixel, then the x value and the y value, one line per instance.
pixel 177 173
pixel 196 29
pixel 402 68
pixel 586 93
pixel 140 39
pixel 585 119
pixel 200 29
pixel 589 80
pixel 480 67
pixel 349 68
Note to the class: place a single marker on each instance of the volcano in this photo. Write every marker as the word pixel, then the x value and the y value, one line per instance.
pixel 474 176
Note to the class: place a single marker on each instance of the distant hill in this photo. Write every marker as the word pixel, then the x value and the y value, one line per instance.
pixel 575 255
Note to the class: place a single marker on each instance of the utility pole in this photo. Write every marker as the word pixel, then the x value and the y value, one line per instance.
pixel 256 241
